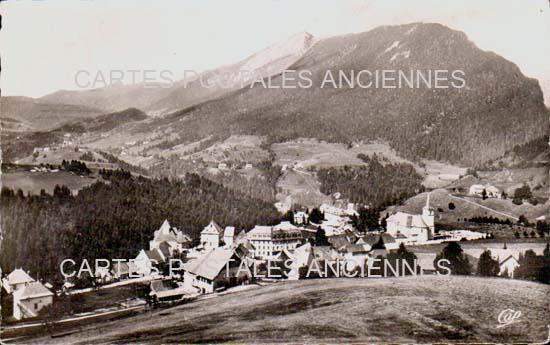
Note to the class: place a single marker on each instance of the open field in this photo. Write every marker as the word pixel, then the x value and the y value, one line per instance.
pixel 410 309
pixel 441 198
pixel 33 182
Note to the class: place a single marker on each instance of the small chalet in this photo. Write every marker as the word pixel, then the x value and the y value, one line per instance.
pixel 209 272
pixel 30 299
pixel 176 240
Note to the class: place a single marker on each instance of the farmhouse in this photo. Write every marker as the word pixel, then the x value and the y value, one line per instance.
pixel 490 191
pixel 209 272
pixel 211 236
pixel 176 239
pixel 30 299
pixel 146 260
pixel 416 228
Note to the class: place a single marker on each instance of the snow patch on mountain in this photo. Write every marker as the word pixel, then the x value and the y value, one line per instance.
pixel 294 46
pixel 404 54
pixel 393 46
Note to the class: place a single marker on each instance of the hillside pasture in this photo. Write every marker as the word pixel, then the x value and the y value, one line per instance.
pixel 411 309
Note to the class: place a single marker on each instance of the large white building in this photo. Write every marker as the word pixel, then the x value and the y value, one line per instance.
pixel 415 227
pixel 268 241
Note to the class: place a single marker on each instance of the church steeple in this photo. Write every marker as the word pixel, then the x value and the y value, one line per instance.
pixel 428 215
pixel 428 201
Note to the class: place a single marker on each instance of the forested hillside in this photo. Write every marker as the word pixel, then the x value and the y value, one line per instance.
pixel 497 108
pixel 377 184
pixel 114 219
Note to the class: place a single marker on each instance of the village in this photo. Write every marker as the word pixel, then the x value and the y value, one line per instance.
pixel 216 263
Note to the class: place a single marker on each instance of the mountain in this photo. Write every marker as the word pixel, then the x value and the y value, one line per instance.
pixel 111 98
pixel 498 109
pixel 162 98
pixel 28 114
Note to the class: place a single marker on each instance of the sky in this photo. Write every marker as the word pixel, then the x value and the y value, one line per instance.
pixel 45 43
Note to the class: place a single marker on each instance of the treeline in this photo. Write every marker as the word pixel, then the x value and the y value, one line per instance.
pixel 377 185
pixel 115 219
pixel 489 220
pixel 77 167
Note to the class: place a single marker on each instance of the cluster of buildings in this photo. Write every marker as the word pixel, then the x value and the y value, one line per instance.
pixel 29 296
pixel 223 256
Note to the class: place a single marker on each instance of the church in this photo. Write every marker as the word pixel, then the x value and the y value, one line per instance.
pixel 413 227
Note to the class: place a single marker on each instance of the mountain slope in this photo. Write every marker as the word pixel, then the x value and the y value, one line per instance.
pixel 28 114
pixel 112 98
pixel 395 310
pixel 498 108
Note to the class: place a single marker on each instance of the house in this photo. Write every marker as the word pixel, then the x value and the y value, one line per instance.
pixel 368 241
pixel 166 290
pixel 103 275
pixel 416 228
pixel 301 259
pixel 211 236
pixel 391 242
pixel 508 266
pixel 493 192
pixel 176 239
pixel 215 269
pixel 146 260
pixel 30 299
pixel 339 241
pixel 229 235
pixel 120 270
pixel 490 191
pixel 507 260
pixel 301 217
pixel 16 280
pixel 336 211
pixel 268 241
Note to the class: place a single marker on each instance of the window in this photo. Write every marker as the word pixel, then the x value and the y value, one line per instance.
pixel 35 306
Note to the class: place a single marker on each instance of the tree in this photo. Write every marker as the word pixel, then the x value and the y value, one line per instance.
pixel 379 244
pixel 523 192
pixel 484 194
pixel 530 266
pixel 544 275
pixel 367 220
pixel 451 206
pixel 522 220
pixel 458 262
pixel 487 266
pixel 288 216
pixel 397 258
pixel 316 216
pixel 321 237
